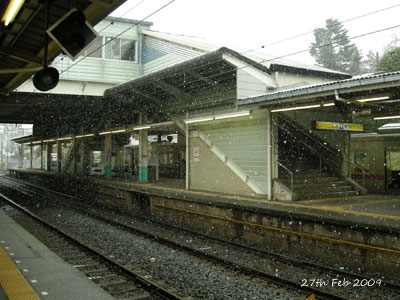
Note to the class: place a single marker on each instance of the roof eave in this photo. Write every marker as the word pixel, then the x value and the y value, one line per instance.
pixel 323 89
pixel 181 67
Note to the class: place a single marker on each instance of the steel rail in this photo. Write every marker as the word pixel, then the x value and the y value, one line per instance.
pixel 242 268
pixel 150 285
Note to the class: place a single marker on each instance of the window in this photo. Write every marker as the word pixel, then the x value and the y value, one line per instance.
pixel 120 49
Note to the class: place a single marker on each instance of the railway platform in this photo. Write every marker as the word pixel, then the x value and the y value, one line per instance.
pixel 362 231
pixel 30 271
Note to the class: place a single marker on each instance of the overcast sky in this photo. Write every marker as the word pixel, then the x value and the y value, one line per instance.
pixel 251 24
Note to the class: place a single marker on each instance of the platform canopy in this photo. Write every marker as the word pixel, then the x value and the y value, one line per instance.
pixel 176 85
pixel 379 93
pixel 22 45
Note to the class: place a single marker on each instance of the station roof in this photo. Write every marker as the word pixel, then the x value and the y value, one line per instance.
pixel 24 139
pixel 180 80
pixel 274 63
pixel 357 86
pixel 22 41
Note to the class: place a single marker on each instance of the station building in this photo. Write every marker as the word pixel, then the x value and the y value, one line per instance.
pixel 152 106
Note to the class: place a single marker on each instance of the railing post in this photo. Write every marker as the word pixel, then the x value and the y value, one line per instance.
pixel 320 166
pixel 291 182
pixel 363 178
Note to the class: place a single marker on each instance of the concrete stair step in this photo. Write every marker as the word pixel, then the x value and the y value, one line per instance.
pixel 326 195
pixel 320 184
pixel 322 190
pixel 313 180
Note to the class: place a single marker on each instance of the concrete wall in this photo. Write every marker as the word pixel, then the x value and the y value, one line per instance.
pixel 285 230
pixel 279 227
pixel 245 141
pixel 209 173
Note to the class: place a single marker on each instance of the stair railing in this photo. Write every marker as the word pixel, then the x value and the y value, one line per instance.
pixel 359 168
pixel 328 153
pixel 288 171
pixel 317 153
pixel 304 131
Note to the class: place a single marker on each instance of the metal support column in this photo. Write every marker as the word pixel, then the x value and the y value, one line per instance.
pixel 49 150
pixel 41 156
pixel 346 168
pixel 274 144
pixel 85 159
pixel 187 154
pixel 59 156
pixel 108 153
pixel 156 151
pixel 269 156
pixel 143 151
pixel 31 156
pixel 20 155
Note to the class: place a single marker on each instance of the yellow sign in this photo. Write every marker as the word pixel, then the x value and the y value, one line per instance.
pixel 311 297
pixel 338 126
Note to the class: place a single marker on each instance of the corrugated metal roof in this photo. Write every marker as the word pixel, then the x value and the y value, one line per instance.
pixel 331 86
pixel 204 59
pixel 270 61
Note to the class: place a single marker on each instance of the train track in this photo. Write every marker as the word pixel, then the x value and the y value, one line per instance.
pixel 109 274
pixel 311 278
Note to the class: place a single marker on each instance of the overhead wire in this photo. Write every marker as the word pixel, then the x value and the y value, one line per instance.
pixel 121 33
pixel 244 52
pixel 304 50
pixel 125 13
pixel 275 58
pixel 312 31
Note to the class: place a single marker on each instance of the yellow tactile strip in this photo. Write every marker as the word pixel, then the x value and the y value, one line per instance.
pixel 13 282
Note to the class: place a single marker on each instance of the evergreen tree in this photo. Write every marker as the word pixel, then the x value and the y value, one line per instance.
pixel 369 65
pixel 390 62
pixel 333 50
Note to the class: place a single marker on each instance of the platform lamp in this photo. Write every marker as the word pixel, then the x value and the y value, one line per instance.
pixel 47 78
pixel 12 10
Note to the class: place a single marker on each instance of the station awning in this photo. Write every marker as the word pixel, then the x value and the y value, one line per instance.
pixel 177 84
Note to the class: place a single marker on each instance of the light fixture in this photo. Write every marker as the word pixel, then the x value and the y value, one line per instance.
pixel 51 140
pixel 190 121
pixel 104 132
pixel 12 10
pixel 118 131
pixel 64 138
pixel 84 135
pixel 233 115
pixel 328 104
pixel 373 99
pixel 296 108
pixel 387 117
pixel 37 142
pixel 141 127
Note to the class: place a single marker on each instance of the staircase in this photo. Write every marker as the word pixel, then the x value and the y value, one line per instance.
pixel 310 183
pixel 69 156
pixel 314 165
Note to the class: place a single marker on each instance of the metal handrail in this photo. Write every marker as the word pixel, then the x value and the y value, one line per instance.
pixel 303 130
pixel 361 169
pixel 290 172
pixel 317 153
